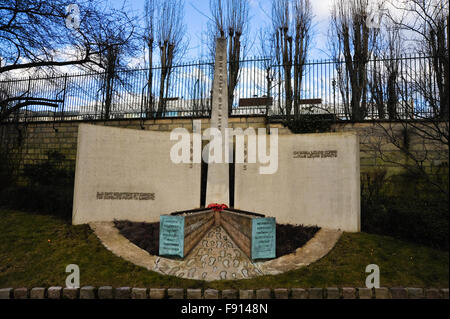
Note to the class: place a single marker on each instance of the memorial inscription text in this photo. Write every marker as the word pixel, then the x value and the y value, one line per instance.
pixel 125 196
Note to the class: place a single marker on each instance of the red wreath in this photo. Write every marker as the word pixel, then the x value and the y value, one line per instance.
pixel 217 207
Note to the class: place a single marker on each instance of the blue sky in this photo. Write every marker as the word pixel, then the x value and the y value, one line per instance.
pixel 196 23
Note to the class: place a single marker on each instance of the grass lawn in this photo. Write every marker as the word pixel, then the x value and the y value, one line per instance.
pixel 35 250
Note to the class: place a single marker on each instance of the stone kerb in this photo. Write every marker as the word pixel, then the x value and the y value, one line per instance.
pixel 264 293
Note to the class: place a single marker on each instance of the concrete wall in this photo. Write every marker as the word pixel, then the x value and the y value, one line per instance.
pixel 36 139
pixel 317 182
pixel 128 174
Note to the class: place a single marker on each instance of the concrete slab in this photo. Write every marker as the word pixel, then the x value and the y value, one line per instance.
pixel 128 174
pixel 317 182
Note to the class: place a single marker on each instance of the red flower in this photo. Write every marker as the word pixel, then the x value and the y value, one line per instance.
pixel 217 207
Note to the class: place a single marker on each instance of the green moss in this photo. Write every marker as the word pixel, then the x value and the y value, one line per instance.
pixel 35 249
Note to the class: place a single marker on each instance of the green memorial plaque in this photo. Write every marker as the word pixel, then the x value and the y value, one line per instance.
pixel 171 236
pixel 263 238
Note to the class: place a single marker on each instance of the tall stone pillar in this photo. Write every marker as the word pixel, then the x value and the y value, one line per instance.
pixel 217 187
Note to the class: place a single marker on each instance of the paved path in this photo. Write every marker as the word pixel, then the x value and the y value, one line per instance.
pixel 216 256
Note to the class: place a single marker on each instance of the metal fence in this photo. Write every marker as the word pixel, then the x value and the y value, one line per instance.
pixel 186 91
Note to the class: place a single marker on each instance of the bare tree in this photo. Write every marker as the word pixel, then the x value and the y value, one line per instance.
pixel 291 25
pixel 421 133
pixel 230 20
pixel 149 40
pixel 115 39
pixel 425 25
pixel 267 51
pixel 352 40
pixel 170 31
pixel 35 36
pixel 385 72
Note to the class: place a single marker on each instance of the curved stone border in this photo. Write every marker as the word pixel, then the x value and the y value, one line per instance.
pixel 108 292
pixel 316 248
pixel 111 238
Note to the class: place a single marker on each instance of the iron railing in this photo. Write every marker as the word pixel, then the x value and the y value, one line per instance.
pixel 187 92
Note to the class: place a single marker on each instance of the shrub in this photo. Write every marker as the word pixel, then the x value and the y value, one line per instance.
pixel 405 207
pixel 312 123
pixel 6 170
pixel 50 172
pixel 44 199
pixel 49 189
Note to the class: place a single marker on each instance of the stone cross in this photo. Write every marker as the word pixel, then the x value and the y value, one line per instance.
pixel 217 187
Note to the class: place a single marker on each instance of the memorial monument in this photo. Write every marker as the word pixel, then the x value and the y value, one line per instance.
pixel 217 187
pixel 124 174
pixel 254 234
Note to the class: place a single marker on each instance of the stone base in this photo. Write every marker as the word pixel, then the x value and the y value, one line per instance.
pixel 316 248
pixel 188 228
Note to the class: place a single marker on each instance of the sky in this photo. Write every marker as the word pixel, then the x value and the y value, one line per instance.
pixel 196 18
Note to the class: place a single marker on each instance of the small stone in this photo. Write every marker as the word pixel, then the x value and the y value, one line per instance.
pixel 194 294
pixel 415 293
pixel 246 294
pixel 349 293
pixel 299 293
pixel 123 293
pixel 399 293
pixel 229 294
pixel 6 293
pixel 37 293
pixel 54 292
pixel 315 293
pixel 263 293
pixel 157 293
pixel 139 293
pixel 70 293
pixel 211 294
pixel 444 293
pixel 382 293
pixel 281 293
pixel 21 293
pixel 432 293
pixel 365 293
pixel 87 292
pixel 105 292
pixel 175 293
pixel 333 293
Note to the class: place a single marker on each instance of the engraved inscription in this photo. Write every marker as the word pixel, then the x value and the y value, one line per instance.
pixel 315 154
pixel 171 235
pixel 220 63
pixel 263 238
pixel 125 196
